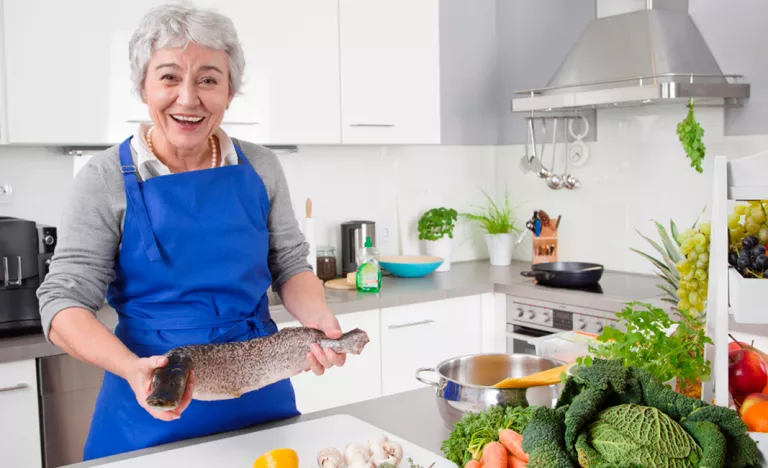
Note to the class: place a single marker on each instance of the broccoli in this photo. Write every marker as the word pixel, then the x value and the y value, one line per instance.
pixel 710 439
pixel 546 426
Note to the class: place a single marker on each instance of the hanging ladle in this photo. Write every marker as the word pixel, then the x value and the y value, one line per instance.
pixel 554 181
pixel 543 172
pixel 569 181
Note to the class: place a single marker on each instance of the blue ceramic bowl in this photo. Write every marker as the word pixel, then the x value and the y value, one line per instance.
pixel 410 266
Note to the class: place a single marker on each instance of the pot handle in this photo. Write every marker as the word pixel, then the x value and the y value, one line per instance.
pixel 422 379
pixel 539 275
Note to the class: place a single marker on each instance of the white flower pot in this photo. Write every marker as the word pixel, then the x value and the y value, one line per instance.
pixel 500 248
pixel 441 248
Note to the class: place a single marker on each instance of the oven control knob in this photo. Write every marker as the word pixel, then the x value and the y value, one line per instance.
pixel 599 327
pixel 531 315
pixel 546 316
pixel 520 312
pixel 48 239
pixel 582 324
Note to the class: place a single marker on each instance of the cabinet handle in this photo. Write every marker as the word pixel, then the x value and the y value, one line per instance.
pixel 370 125
pixel 20 386
pixel 404 325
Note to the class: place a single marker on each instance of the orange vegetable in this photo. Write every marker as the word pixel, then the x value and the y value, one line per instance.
pixel 513 442
pixel 494 456
pixel 473 464
pixel 514 462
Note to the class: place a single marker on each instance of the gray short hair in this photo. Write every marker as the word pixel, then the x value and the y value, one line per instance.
pixel 175 25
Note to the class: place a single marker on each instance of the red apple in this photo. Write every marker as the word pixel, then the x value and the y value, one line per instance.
pixel 747 373
pixel 750 400
pixel 734 346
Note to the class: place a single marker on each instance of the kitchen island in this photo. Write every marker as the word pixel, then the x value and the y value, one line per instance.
pixel 412 416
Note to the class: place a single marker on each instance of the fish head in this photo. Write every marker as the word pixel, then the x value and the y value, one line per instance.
pixel 169 383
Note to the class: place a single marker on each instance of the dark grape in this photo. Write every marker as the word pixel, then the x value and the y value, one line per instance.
pixel 749 242
pixel 745 253
pixel 743 262
pixel 765 274
pixel 758 250
pixel 761 263
pixel 741 270
pixel 733 257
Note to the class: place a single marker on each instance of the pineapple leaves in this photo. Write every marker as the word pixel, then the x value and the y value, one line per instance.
pixel 671 283
pixel 662 267
pixel 668 290
pixel 667 259
pixel 669 244
pixel 674 231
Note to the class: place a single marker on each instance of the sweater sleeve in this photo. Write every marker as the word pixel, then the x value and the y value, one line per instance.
pixel 88 240
pixel 288 249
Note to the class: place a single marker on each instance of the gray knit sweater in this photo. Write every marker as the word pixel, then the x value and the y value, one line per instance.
pixel 91 229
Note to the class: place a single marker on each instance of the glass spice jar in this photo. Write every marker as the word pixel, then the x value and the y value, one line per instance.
pixel 326 262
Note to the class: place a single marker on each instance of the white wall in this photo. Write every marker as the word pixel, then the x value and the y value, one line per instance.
pixel 637 172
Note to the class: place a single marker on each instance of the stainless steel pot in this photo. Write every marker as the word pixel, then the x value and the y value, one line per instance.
pixel 466 383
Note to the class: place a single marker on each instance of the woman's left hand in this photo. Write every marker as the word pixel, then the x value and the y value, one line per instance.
pixel 319 359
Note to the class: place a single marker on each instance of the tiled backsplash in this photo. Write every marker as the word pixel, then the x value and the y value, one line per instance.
pixel 637 171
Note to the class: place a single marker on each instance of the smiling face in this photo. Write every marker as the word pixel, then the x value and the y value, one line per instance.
pixel 187 92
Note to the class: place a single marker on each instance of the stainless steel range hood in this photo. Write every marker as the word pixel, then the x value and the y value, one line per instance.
pixel 654 55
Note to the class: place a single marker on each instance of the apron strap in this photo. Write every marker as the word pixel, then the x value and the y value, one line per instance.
pixel 136 201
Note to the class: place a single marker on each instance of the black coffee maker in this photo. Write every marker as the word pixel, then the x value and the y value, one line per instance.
pixel 26 248
pixel 353 234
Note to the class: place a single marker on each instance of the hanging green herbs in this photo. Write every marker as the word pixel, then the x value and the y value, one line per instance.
pixel 690 133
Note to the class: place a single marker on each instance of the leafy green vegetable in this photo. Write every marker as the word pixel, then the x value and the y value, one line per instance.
pixel 476 430
pixel 617 416
pixel 647 344
pixel 641 435
pixel 690 133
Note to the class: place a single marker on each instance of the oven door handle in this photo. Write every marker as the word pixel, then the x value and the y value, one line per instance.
pixel 519 336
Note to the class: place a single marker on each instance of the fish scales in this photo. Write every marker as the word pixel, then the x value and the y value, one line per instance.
pixel 229 370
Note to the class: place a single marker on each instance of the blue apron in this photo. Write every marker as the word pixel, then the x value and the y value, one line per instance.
pixel 192 268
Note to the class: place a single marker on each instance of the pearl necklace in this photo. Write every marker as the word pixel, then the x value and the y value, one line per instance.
pixel 211 140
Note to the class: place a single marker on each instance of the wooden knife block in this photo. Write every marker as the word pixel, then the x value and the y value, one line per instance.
pixel 545 246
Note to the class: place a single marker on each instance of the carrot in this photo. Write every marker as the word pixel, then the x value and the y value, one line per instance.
pixel 494 456
pixel 514 462
pixel 473 464
pixel 513 442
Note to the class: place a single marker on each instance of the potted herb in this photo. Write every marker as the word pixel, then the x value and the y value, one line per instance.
pixel 436 229
pixel 499 226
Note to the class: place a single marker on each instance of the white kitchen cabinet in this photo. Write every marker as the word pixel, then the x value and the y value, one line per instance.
pixel 417 72
pixel 358 380
pixel 425 334
pixel 19 425
pixel 68 80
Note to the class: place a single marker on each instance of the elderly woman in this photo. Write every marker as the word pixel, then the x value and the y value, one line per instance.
pixel 184 230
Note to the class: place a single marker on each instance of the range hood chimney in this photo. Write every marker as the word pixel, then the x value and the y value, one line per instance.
pixel 653 54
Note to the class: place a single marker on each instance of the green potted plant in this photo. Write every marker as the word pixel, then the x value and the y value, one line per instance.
pixel 497 221
pixel 436 229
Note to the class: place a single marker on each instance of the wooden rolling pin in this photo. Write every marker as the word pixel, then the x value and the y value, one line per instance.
pixel 539 379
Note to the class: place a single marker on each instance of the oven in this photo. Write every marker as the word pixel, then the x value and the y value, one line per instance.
pixel 528 319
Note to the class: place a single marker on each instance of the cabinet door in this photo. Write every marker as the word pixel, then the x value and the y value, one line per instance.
pixel 67 70
pixel 425 334
pixel 19 426
pixel 390 86
pixel 358 380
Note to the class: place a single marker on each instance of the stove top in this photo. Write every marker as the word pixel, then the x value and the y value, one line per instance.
pixel 622 287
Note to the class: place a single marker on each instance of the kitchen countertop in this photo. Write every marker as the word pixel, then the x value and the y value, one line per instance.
pixel 464 279
pixel 412 416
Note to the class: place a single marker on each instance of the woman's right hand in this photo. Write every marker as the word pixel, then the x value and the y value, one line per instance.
pixel 140 378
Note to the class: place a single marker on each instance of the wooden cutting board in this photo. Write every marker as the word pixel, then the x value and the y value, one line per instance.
pixel 305 438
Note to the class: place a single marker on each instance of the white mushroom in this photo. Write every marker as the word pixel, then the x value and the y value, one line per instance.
pixel 376 444
pixel 383 457
pixel 358 463
pixel 330 458
pixel 354 452
pixel 393 449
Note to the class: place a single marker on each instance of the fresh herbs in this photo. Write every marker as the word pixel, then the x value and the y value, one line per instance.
pixel 476 430
pixel 654 342
pixel 437 223
pixel 496 218
pixel 690 133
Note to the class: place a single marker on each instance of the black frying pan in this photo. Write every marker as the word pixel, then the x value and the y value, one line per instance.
pixel 566 274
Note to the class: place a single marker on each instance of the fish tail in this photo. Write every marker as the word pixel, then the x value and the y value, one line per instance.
pixel 351 342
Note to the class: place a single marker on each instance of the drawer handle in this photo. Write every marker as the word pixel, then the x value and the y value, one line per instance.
pixel 404 325
pixel 20 386
pixel 370 125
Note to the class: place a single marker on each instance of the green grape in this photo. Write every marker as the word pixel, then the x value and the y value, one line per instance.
pixel 738 231
pixel 701 275
pixel 758 216
pixel 683 266
pixel 689 275
pixel 686 248
pixel 740 209
pixel 701 265
pixel 681 292
pixel 733 220
pixel 684 304
pixel 753 228
pixel 693 256
pixel 705 228
pixel 763 234
pixel 700 249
